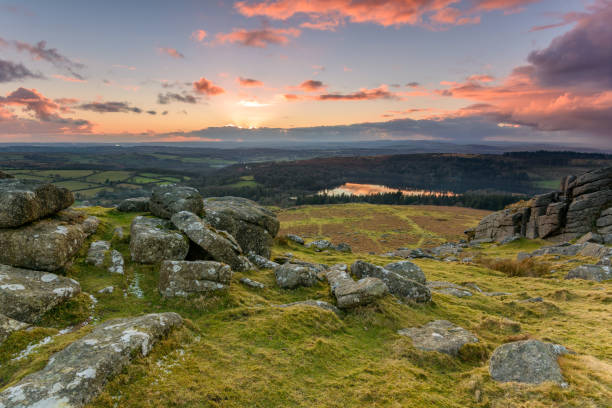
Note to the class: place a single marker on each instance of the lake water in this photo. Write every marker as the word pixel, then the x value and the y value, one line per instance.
pixel 366 189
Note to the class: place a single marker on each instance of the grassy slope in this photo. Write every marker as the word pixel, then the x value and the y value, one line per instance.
pixel 237 350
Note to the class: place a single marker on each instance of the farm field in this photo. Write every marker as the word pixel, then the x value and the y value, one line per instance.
pixel 87 184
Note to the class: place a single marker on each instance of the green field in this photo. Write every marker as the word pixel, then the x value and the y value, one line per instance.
pixel 109 175
pixel 238 350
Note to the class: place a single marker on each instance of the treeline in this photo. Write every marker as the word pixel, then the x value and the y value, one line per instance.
pixel 491 202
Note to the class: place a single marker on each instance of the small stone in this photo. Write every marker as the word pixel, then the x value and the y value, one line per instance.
pixel 137 204
pixel 295 238
pixel 108 289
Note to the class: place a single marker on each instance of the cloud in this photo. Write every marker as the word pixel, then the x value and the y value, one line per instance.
pixel 581 57
pixel 412 84
pixel 328 14
pixel 33 101
pixel 164 99
pixel 566 87
pixel 206 87
pixel 152 112
pixel 9 71
pixel 311 85
pixel 258 38
pixel 45 115
pixel 199 35
pixel 249 82
pixel 39 51
pixel 68 79
pixel 481 78
pixel 109 107
pixel 173 52
pixel 362 95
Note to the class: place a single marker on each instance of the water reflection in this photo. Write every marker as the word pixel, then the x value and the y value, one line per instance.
pixel 366 189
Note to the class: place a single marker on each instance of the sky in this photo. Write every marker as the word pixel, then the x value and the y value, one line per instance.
pixel 461 71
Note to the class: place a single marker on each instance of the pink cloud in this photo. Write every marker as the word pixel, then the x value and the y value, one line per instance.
pixel 248 82
pixel 173 52
pixel 199 35
pixel 206 87
pixel 327 14
pixel 258 38
pixel 312 86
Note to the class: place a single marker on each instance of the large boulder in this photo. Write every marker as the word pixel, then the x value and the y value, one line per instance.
pixel 290 275
pixel 23 201
pixel 209 242
pixel 408 270
pixel 153 240
pixel 351 294
pixel 45 245
pixel 26 295
pixel 399 285
pixel 439 335
pixel 137 204
pixel 527 361
pixel 78 373
pixel 253 226
pixel 170 199
pixel 596 273
pixel 182 278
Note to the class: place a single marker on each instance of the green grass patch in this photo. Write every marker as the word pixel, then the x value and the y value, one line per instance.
pixel 109 175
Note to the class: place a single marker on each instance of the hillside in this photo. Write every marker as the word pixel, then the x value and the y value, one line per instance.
pixel 237 349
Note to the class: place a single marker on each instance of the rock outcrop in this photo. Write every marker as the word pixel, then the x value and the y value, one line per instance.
pixel 596 273
pixel 527 361
pixel 78 373
pixel 23 201
pixel 439 335
pixel 153 240
pixel 46 244
pixel 398 284
pixel 26 295
pixel 170 199
pixel 583 204
pixel 351 294
pixel 183 278
pixel 408 270
pixel 137 204
pixel 210 244
pixel 253 226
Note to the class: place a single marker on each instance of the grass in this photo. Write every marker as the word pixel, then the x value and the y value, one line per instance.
pixel 109 175
pixel 237 350
pixel 530 267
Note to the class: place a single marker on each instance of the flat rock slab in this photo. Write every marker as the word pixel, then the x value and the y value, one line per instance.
pixel 291 275
pixel 439 335
pixel 527 361
pixel 45 245
pixel 137 204
pixel 78 373
pixel 8 325
pixel 23 201
pixel 252 284
pixel 182 278
pixel 154 240
pixel 398 284
pixel 26 295
pixel 170 199
pixel 253 226
pixel 313 303
pixel 351 294
pixel 448 288
pixel 596 273
pixel 211 243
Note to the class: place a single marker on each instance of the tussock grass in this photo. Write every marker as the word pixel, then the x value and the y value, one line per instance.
pixel 529 267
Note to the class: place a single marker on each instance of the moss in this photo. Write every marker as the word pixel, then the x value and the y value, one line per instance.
pixel 72 312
